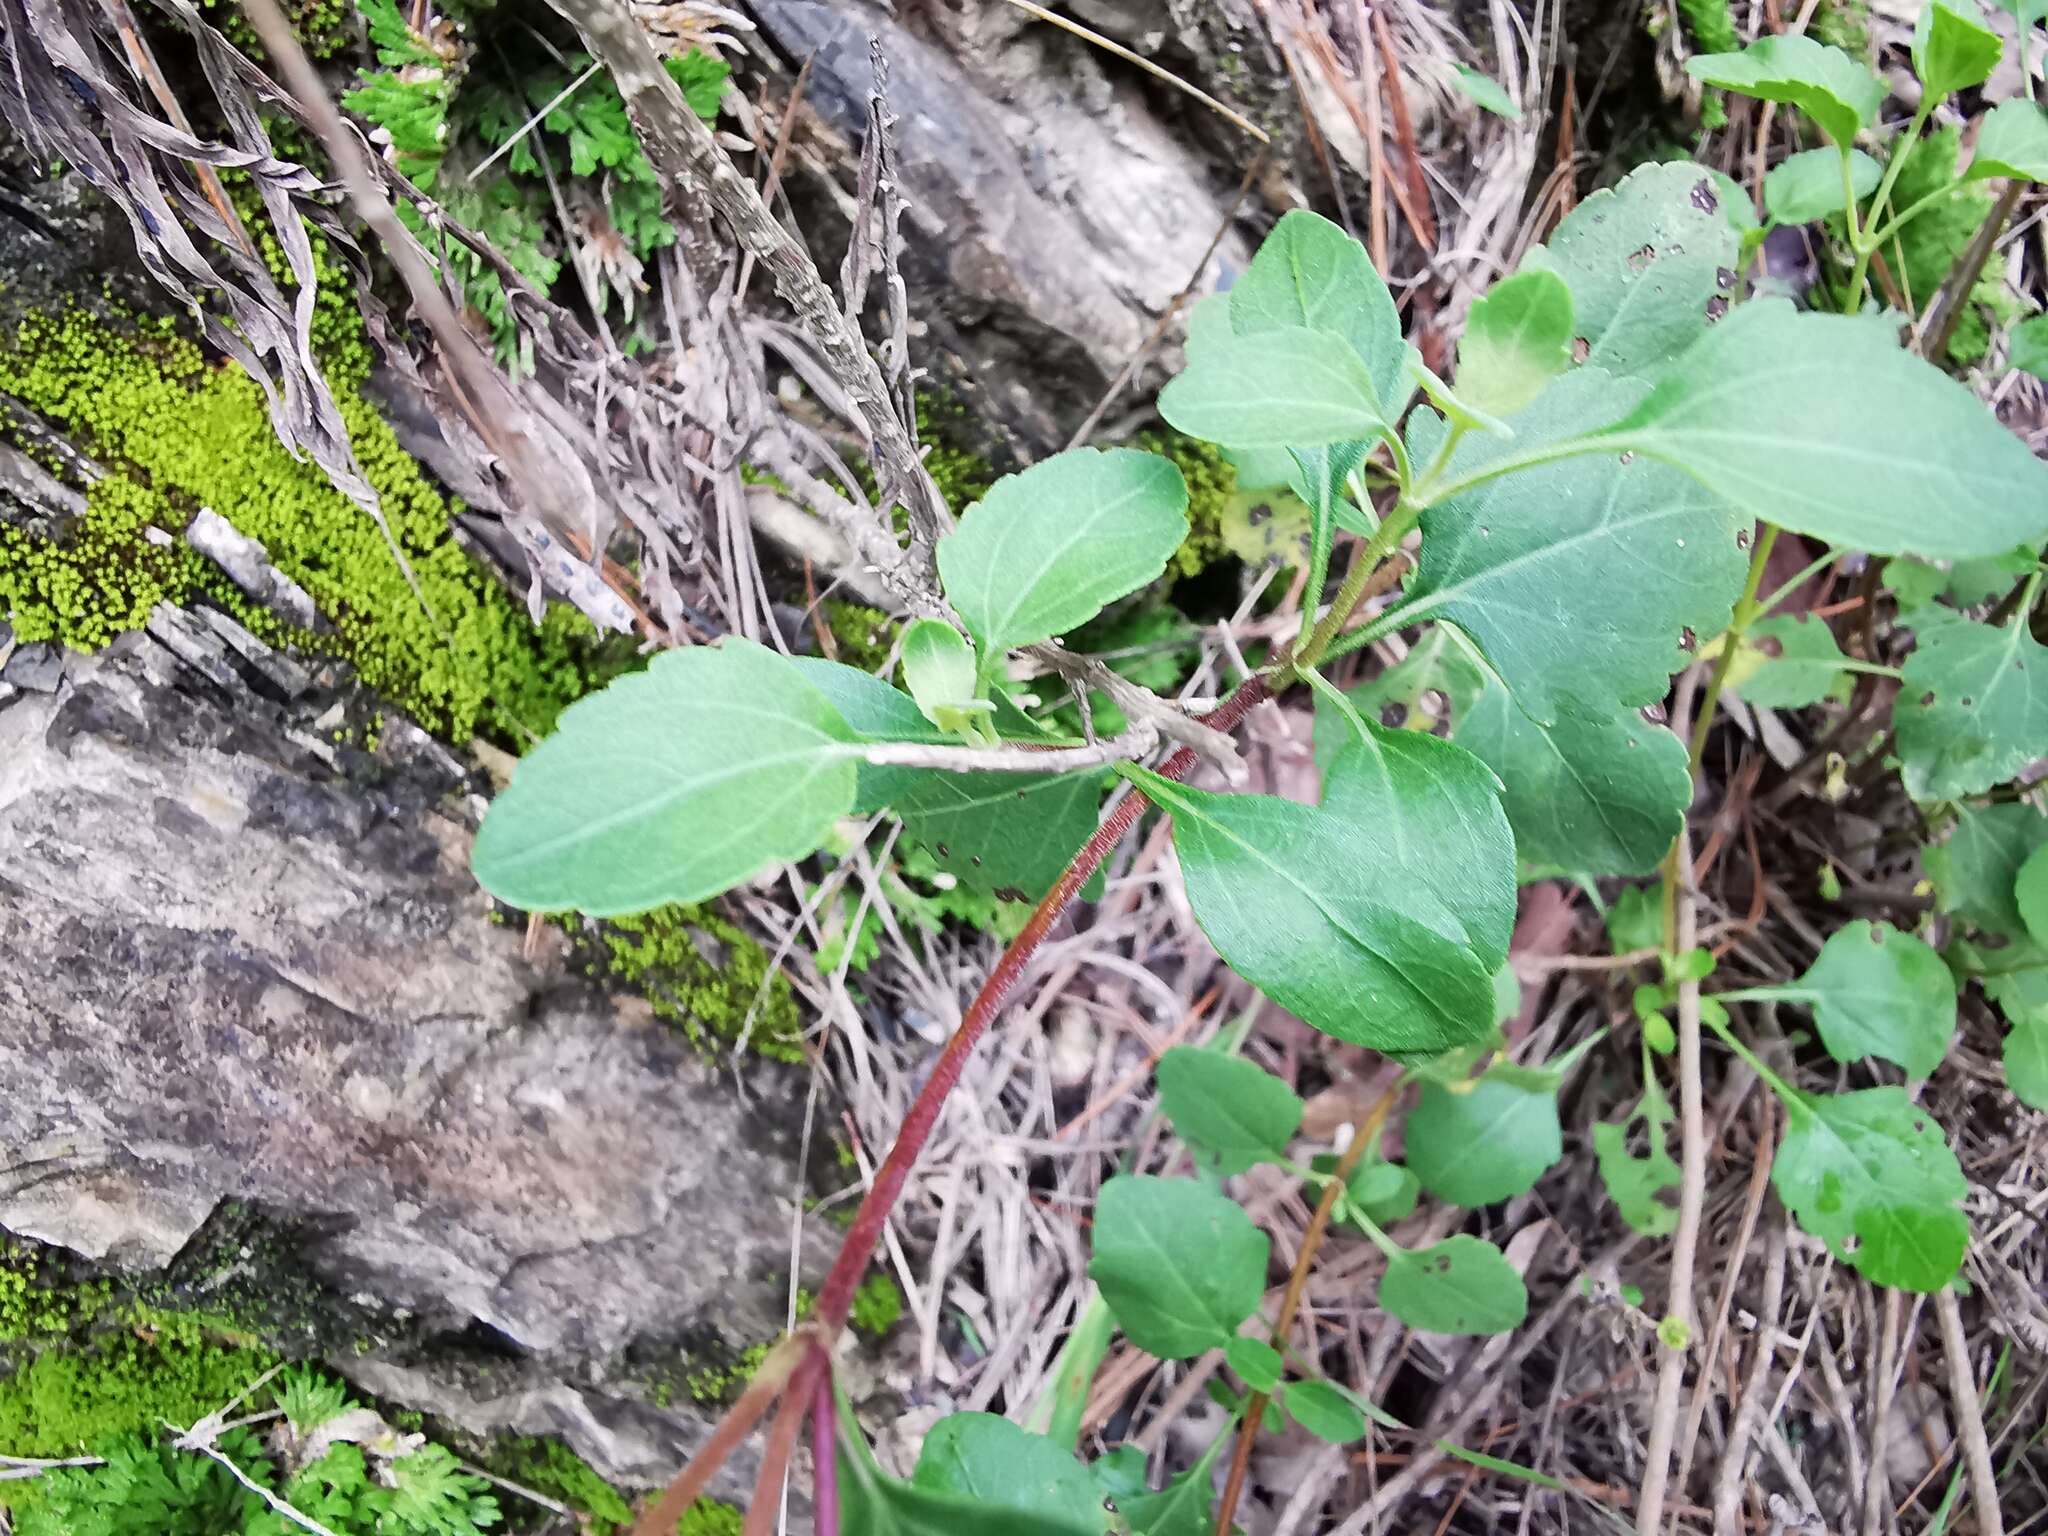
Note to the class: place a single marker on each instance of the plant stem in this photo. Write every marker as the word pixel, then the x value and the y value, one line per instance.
pixel 1290 1301
pixel 1073 1371
pixel 1866 242
pixel 1746 610
pixel 1795 1101
pixel 824 1458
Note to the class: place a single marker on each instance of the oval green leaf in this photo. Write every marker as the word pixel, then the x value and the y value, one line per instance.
pixel 1477 1142
pixel 1876 991
pixel 1257 1363
pixel 1288 388
pixel 2012 142
pixel 1324 1412
pixel 2026 1060
pixel 999 1466
pixel 1952 49
pixel 1462 1285
pixel 1972 708
pixel 1233 1112
pixel 1486 92
pixel 1517 338
pixel 671 785
pixel 1045 550
pixel 1788 661
pixel 1808 186
pixel 938 669
pixel 1308 274
pixel 1179 1263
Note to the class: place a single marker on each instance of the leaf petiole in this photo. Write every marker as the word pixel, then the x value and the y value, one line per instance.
pixel 1795 1101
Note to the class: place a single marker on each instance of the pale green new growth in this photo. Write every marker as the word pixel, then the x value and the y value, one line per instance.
pixel 1517 338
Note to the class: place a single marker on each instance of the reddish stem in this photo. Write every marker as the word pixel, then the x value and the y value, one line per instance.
pixel 824 1458
pixel 835 1299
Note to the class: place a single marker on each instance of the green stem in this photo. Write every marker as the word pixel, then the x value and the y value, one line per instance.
pixel 1795 1101
pixel 1865 242
pixel 1798 581
pixel 2026 604
pixel 1074 1372
pixel 1746 611
pixel 1384 541
pixel 1913 211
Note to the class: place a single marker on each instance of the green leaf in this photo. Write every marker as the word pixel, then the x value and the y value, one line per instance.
pixel 2030 894
pixel 1472 1143
pixel 1635 919
pixel 986 1458
pixel 1972 709
pixel 1821 424
pixel 1975 870
pixel 1646 262
pixel 1462 1285
pixel 1486 92
pixel 938 669
pixel 1838 93
pixel 671 785
pixel 1808 186
pixel 1597 793
pixel 1789 661
pixel 1182 1507
pixel 2025 12
pixel 1045 550
pixel 1871 1175
pixel 2026 1060
pixel 1434 811
pixel 1436 681
pixel 1876 991
pixel 1637 1185
pixel 2012 142
pixel 1586 577
pixel 1952 49
pixel 876 711
pixel 1324 1412
pixel 1518 337
pixel 2028 349
pixel 1383 1193
pixel 1257 1363
pixel 1179 1263
pixel 1007 835
pixel 871 1503
pixel 1290 388
pixel 1309 275
pixel 1235 1112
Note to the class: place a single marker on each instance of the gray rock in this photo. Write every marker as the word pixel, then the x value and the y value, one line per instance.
pixel 225 973
pixel 35 668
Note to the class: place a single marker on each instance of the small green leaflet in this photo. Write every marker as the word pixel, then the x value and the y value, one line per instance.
pixel 1233 1113
pixel 1821 424
pixel 1826 84
pixel 1486 92
pixel 1582 577
pixel 1876 991
pixel 1474 1143
pixel 1309 274
pixel 1973 708
pixel 1179 1263
pixel 1309 907
pixel 1008 835
pixel 1045 550
pixel 1382 1193
pixel 2012 142
pixel 1257 1363
pixel 1952 49
pixel 2026 1060
pixel 1181 1508
pixel 1871 1174
pixel 1435 810
pixel 1324 1411
pixel 1518 337
pixel 2030 894
pixel 1635 919
pixel 1788 662
pixel 1288 388
pixel 1647 263
pixel 1808 186
pixel 671 785
pixel 938 669
pixel 1638 1185
pixel 1597 793
pixel 986 1458
pixel 1462 1285
pixel 2029 346
pixel 1975 870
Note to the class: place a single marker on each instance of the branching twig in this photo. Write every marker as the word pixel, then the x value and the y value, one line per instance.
pixel 1128 747
pixel 1140 705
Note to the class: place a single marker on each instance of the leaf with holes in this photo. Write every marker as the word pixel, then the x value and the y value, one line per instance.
pixel 1871 1174
pixel 1975 870
pixel 1952 49
pixel 1644 1189
pixel 1231 1111
pixel 1876 991
pixel 1295 901
pixel 1648 263
pixel 1517 338
pixel 1837 92
pixel 1044 551
pixel 1007 835
pixel 1788 661
pixel 1179 1263
pixel 1462 1285
pixel 671 785
pixel 1823 425
pixel 1599 792
pixel 1972 709
pixel 1473 1143
pixel 987 1459
pixel 1435 682
pixel 1589 577
pixel 1808 186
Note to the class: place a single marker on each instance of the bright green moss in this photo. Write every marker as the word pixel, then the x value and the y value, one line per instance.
pixel 1843 24
pixel 876 1305
pixel 710 1517
pixel 865 636
pixel 1211 483
pixel 1937 237
pixel 550 1467
pixel 181 433
pixel 705 976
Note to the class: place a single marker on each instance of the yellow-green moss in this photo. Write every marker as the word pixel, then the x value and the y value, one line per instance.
pixel 705 976
pixel 877 1304
pixel 550 1467
pixel 710 1517
pixel 180 432
pixel 1211 483
pixel 865 636
pixel 1844 24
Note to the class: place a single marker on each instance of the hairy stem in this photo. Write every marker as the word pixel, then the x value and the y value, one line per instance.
pixel 1290 1301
